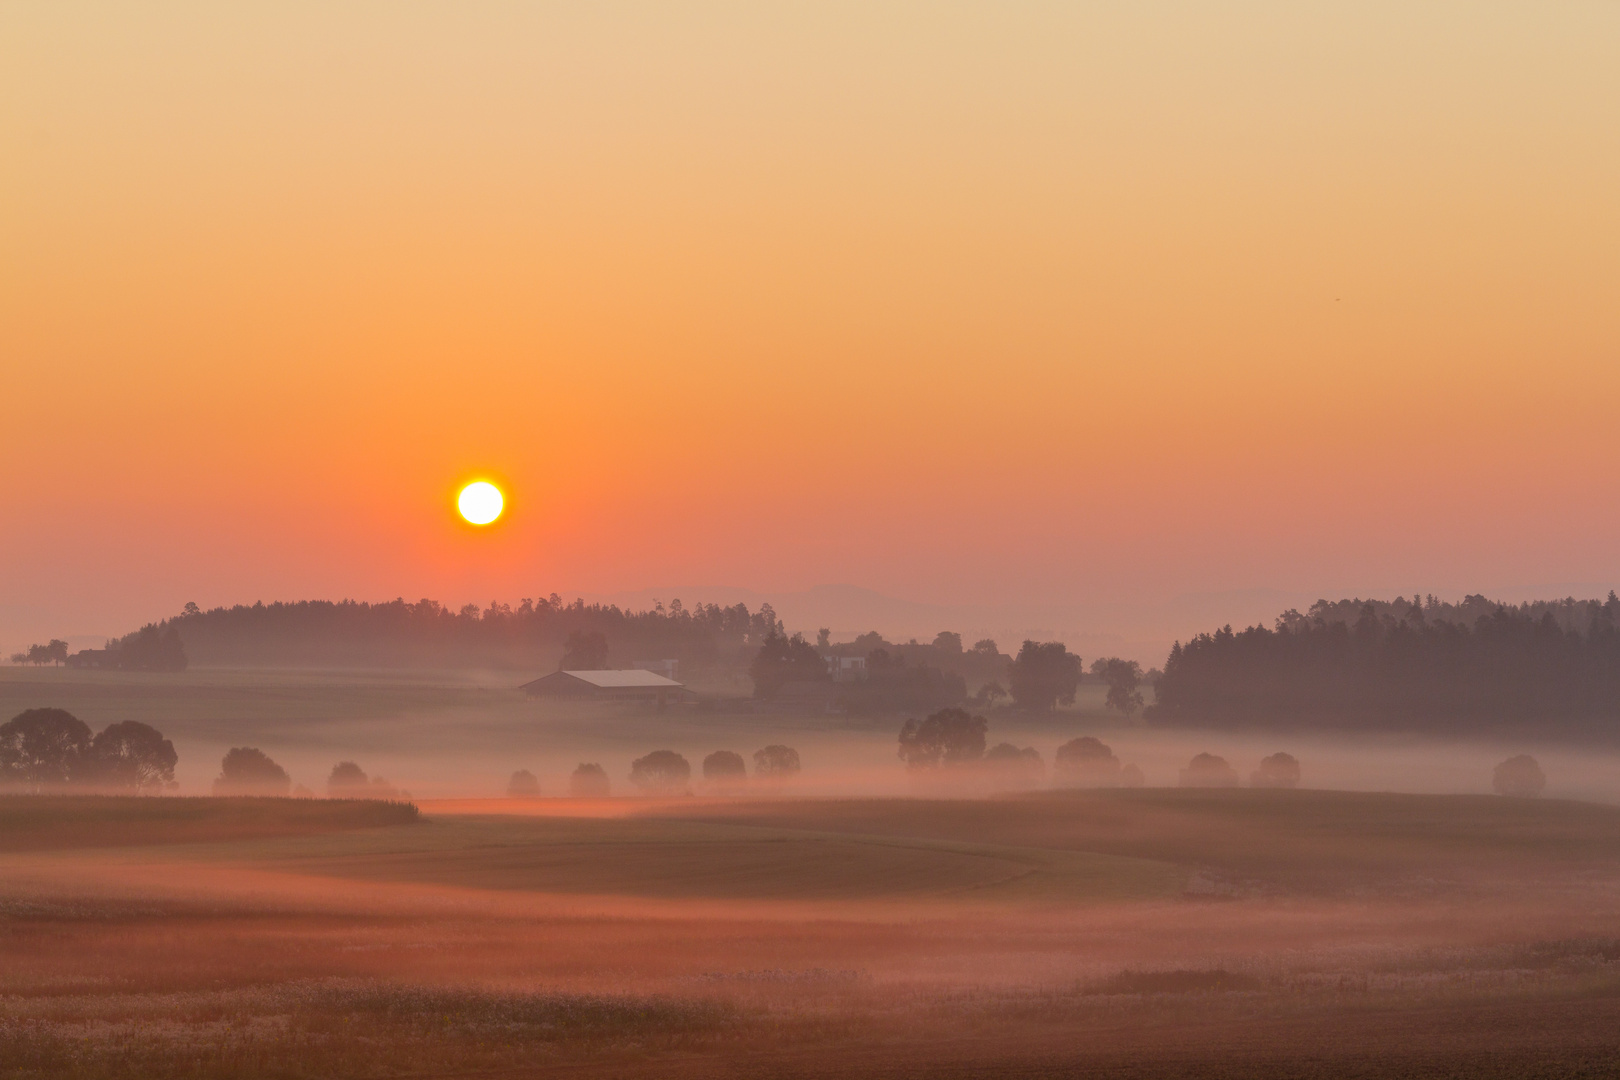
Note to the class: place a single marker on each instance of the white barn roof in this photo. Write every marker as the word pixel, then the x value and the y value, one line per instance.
pixel 609 679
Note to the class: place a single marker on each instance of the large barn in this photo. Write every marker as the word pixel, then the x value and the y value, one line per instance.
pixel 613 684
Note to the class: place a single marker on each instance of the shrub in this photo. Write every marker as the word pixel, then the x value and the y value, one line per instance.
pixel 1208 770
pixel 1010 767
pixel 776 762
pixel 662 772
pixel 348 781
pixel 1277 771
pixel 1087 762
pixel 248 771
pixel 523 785
pixel 589 781
pixel 948 737
pixel 1520 777
pixel 725 769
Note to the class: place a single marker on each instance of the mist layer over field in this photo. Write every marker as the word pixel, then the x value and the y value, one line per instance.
pixel 462 735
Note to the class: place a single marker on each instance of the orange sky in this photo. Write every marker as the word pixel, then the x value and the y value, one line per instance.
pixel 984 303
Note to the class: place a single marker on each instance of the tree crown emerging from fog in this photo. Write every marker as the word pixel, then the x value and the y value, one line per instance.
pixel 948 737
pixel 776 762
pixel 1044 675
pixel 589 781
pixel 246 770
pixel 662 772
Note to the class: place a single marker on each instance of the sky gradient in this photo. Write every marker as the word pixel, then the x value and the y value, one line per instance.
pixel 1018 304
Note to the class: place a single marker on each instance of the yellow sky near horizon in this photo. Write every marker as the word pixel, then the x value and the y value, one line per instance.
pixel 954 301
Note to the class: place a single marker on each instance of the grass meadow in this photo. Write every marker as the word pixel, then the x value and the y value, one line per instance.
pixel 1145 933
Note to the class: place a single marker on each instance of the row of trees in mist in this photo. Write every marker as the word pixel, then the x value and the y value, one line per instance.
pixel 151 648
pixel 51 749
pixel 897 678
pixel 1402 666
pixel 949 747
pixel 666 772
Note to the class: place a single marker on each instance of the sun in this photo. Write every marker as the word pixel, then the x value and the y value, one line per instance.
pixel 480 502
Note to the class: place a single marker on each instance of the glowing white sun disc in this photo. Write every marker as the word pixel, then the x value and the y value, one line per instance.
pixel 480 502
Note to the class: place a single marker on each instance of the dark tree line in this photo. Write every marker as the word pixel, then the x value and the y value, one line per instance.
pixel 1509 665
pixel 532 634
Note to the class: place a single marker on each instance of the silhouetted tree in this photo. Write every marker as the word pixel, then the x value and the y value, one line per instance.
pixel 949 737
pixel 988 694
pixel 1520 777
pixel 662 772
pixel 782 660
pixel 1011 767
pixel 1123 677
pixel 1208 770
pixel 589 781
pixel 57 651
pixel 1277 771
pixel 1043 676
pixel 19 658
pixel 248 771
pixel 1087 762
pixel 347 781
pixel 724 767
pixel 133 756
pixel 44 747
pixel 948 641
pixel 584 651
pixel 823 638
pixel 1131 776
pixel 523 785
pixel 776 762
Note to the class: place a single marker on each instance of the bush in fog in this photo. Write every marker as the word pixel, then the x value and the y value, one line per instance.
pixel 247 771
pixel 43 748
pixel 1086 762
pixel 1519 776
pixel 1131 776
pixel 1279 771
pixel 948 737
pixel 662 772
pixel 1043 676
pixel 589 781
pixel 1010 767
pixel 725 769
pixel 1208 770
pixel 523 785
pixel 348 781
pixel 131 756
pixel 776 762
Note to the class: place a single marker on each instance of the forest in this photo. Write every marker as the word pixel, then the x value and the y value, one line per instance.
pixel 1416 666
pixel 531 635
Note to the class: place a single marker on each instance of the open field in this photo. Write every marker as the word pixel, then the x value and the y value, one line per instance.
pixel 1146 933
